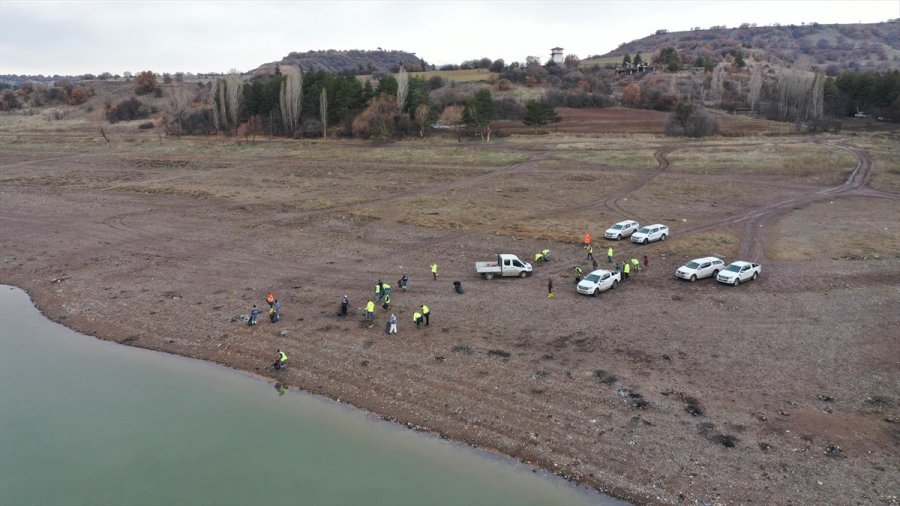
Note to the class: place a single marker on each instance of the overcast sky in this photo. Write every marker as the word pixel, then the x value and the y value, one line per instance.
pixel 78 37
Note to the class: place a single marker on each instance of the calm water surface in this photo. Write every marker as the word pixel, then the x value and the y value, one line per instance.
pixel 87 422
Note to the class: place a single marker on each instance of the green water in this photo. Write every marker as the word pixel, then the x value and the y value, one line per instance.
pixel 86 422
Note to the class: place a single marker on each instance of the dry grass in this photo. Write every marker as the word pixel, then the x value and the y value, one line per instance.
pixel 843 228
pixel 811 163
pixel 456 75
pixel 723 242
pixel 885 151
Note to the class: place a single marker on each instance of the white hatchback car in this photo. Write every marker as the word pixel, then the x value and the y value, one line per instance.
pixel 700 268
pixel 738 272
pixel 622 229
pixel 599 281
pixel 650 233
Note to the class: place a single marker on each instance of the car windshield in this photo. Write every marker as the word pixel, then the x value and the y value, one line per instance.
pixel 733 268
pixel 593 278
pixel 692 265
pixel 645 230
pixel 617 227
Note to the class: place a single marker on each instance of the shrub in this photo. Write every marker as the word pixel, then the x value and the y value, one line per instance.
pixel 690 121
pixel 145 82
pixel 127 110
pixel 199 122
pixel 9 101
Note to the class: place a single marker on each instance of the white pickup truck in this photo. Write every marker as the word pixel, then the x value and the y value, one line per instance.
pixel 599 281
pixel 506 265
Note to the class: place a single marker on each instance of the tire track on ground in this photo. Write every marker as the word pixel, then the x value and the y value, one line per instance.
pixel 755 223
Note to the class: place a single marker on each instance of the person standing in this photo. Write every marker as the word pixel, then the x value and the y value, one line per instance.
pixel 345 305
pixel 378 290
pixel 254 314
pixel 370 310
pixel 393 321
pixel 587 239
pixel 434 271
pixel 385 289
pixel 609 255
pixel 578 272
pixel 549 288
pixel 626 269
pixel 590 252
pixel 387 302
pixel 646 261
pixel 403 283
pixel 270 299
pixel 426 313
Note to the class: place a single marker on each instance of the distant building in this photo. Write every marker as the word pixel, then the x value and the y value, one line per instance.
pixel 556 55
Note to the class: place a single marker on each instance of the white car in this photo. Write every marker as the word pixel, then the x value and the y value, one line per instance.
pixel 650 233
pixel 599 281
pixel 738 272
pixel 700 268
pixel 622 229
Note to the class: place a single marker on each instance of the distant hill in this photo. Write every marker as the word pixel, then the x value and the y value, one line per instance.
pixel 354 61
pixel 829 48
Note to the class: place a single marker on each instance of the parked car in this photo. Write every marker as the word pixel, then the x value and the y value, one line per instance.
pixel 622 229
pixel 738 272
pixel 599 281
pixel 506 265
pixel 650 233
pixel 700 268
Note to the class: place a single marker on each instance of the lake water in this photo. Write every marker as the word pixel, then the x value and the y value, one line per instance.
pixel 88 422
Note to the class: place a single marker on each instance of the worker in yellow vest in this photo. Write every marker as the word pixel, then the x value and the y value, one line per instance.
pixel 426 313
pixel 434 271
pixel 636 264
pixel 370 310
pixel 609 255
pixel 626 269
pixel 280 361
pixel 417 318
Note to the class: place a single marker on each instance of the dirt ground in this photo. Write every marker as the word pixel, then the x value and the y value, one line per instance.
pixel 784 390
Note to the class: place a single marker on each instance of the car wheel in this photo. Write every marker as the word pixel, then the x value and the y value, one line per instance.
pixel 646 241
pixel 489 276
pixel 715 273
pixel 663 238
pixel 755 275
pixel 693 278
pixel 523 274
pixel 615 284
pixel 596 292
pixel 737 281
pixel 619 238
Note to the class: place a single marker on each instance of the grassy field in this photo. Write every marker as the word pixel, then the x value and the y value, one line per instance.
pixel 461 76
pixel 808 162
pixel 603 61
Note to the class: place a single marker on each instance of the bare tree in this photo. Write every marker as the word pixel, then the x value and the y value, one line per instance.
pixel 799 95
pixel 230 94
pixel 421 114
pixel 755 87
pixel 323 111
pixel 176 107
pixel 717 83
pixel 291 99
pixel 402 88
